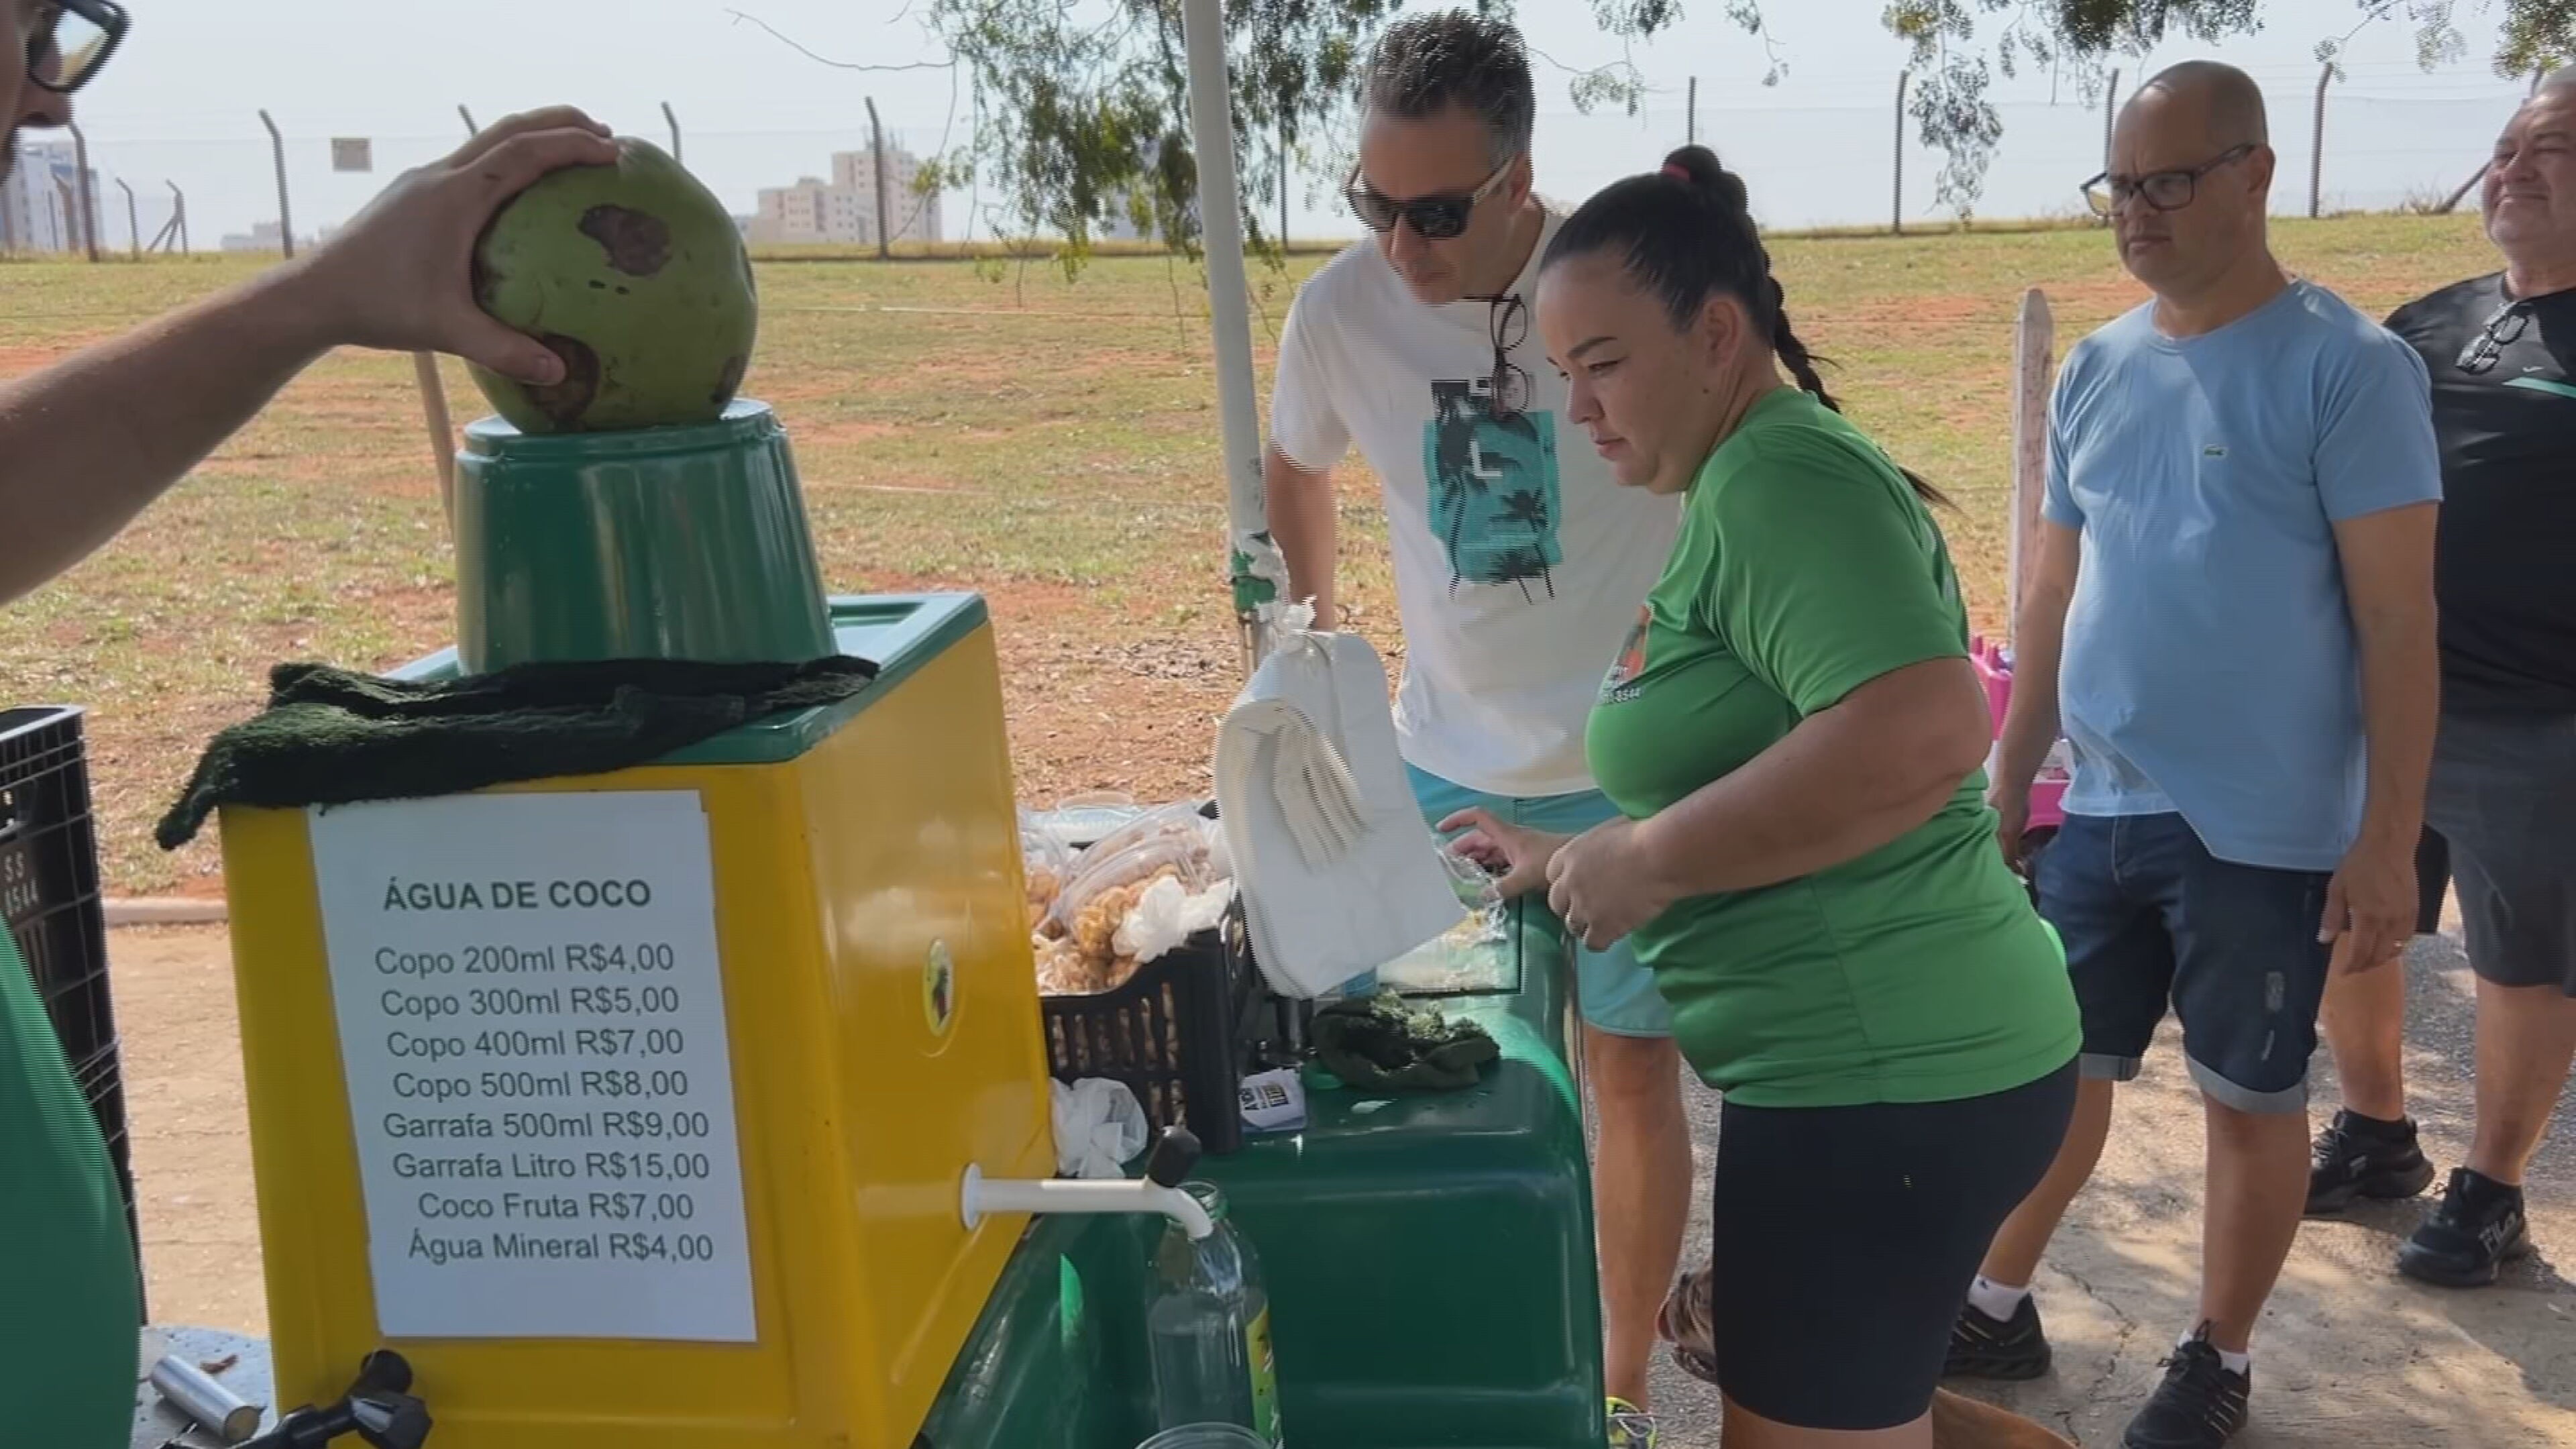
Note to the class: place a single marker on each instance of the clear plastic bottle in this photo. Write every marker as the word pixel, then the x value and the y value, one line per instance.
pixel 1209 1326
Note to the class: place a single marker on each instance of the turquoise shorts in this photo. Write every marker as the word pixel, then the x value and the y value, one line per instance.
pixel 1616 990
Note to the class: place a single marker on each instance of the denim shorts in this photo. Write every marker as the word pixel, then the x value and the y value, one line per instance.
pixel 2503 801
pixel 2150 917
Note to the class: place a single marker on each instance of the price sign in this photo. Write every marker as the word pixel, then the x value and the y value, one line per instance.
pixel 532 1023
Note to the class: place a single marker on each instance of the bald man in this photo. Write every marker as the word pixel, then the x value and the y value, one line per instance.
pixel 2236 573
pixel 2502 352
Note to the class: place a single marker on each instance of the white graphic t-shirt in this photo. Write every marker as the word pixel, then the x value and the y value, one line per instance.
pixel 1519 562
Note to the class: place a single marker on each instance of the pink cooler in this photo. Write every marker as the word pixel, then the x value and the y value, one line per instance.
pixel 2048 792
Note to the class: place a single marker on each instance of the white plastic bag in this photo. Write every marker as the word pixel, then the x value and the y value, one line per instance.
pixel 1099 1127
pixel 1154 927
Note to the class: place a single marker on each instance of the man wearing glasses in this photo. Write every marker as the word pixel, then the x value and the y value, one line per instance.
pixel 2502 352
pixel 84 446
pixel 1520 564
pixel 2236 571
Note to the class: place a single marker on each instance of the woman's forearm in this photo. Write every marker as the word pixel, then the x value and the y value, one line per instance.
pixel 1845 782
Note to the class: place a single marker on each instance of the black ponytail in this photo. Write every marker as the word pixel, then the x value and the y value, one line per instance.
pixel 1687 233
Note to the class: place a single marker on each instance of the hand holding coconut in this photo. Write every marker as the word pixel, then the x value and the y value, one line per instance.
pixel 402 276
pixel 86 444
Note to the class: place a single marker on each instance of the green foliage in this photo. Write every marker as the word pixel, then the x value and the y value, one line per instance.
pixel 1082 106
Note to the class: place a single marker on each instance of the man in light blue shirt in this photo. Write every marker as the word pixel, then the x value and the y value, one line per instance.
pixel 2236 571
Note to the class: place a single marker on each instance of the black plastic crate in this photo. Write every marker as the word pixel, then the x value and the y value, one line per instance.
pixel 49 874
pixel 1169 1033
pixel 49 897
pixel 102 1085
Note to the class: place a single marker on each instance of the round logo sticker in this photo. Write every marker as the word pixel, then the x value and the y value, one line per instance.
pixel 939 989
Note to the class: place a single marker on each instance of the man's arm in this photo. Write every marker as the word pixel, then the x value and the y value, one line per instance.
pixel 2039 648
pixel 87 444
pixel 2387 562
pixel 1306 524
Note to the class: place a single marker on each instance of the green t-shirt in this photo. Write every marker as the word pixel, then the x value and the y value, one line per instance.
pixel 68 1341
pixel 1806 567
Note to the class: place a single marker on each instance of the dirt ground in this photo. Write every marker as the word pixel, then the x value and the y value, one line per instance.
pixel 2350 1357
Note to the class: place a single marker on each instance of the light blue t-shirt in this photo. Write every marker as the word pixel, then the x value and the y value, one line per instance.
pixel 2210 664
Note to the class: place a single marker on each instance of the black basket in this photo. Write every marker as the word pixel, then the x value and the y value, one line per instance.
pixel 1169 1033
pixel 102 1085
pixel 49 897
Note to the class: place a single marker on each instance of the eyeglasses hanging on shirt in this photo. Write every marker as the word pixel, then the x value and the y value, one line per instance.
pixel 1507 326
pixel 2503 330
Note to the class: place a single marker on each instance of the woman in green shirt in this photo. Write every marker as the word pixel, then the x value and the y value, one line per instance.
pixel 1795 736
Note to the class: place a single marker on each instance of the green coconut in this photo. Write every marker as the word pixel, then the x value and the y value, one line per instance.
pixel 637 279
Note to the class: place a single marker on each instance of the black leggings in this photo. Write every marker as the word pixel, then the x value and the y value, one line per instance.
pixel 1846 1239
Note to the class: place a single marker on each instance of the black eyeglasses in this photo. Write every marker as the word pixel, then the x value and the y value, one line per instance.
pixel 1434 218
pixel 2163 190
pixel 1507 326
pixel 2503 330
pixel 70 40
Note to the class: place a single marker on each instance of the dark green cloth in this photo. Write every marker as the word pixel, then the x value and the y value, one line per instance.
pixel 333 737
pixel 1384 1043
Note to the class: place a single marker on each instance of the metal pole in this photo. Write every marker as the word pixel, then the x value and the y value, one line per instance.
pixel 285 219
pixel 1896 215
pixel 1229 313
pixel 179 212
pixel 2034 359
pixel 88 203
pixel 673 117
pixel 133 219
pixel 471 129
pixel 2110 113
pixel 1690 121
pixel 442 434
pixel 2317 151
pixel 876 134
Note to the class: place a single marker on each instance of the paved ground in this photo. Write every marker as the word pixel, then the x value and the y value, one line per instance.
pixel 2351 1356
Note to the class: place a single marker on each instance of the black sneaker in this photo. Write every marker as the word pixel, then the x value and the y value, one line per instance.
pixel 2462 1242
pixel 2357 1157
pixel 1984 1347
pixel 2200 1405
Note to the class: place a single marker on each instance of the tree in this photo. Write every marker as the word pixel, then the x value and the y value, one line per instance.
pixel 1952 71
pixel 1081 111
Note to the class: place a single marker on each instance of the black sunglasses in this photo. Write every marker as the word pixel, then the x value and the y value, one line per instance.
pixel 1434 218
pixel 2162 190
pixel 2503 330
pixel 71 40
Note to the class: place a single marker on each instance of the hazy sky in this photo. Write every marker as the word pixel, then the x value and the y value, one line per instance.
pixel 180 100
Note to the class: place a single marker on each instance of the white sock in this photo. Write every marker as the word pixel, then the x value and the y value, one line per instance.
pixel 2235 1363
pixel 1996 1300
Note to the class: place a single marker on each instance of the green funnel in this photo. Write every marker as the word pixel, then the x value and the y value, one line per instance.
pixel 658 543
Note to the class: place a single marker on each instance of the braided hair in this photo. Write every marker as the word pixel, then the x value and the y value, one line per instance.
pixel 1687 233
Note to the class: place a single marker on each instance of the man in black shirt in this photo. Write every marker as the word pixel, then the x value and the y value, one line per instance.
pixel 2502 353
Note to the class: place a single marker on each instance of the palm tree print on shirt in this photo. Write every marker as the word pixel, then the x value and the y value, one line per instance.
pixel 1494 493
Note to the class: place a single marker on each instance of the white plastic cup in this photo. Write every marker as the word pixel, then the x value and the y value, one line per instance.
pixel 1206 1436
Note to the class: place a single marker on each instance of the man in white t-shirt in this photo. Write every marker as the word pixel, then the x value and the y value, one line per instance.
pixel 1519 563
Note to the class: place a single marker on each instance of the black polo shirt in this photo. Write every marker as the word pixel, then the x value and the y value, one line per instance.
pixel 2504 406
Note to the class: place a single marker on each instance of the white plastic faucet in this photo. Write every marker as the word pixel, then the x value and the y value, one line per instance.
pixel 1159 1191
